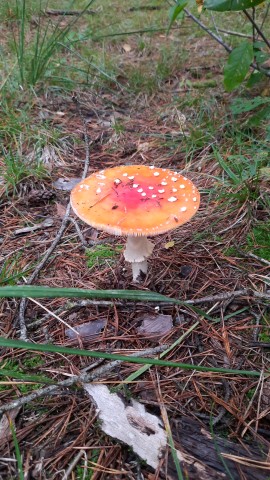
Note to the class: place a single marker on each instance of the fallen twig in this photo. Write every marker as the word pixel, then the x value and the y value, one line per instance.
pixel 145 7
pixel 23 329
pixel 250 294
pixel 66 219
pixel 48 222
pixel 245 292
pixel 82 378
pixel 69 12
pixel 251 255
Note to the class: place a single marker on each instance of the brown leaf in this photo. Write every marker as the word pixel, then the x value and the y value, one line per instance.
pixel 86 330
pixel 155 325
pixel 126 47
pixel 60 210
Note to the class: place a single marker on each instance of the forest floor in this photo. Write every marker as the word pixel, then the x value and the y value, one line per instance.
pixel 153 99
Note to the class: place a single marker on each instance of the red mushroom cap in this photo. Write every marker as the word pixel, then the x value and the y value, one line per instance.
pixel 135 200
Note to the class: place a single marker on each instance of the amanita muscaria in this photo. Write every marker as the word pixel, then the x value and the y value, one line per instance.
pixel 137 201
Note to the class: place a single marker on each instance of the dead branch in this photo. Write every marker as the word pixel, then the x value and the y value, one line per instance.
pixel 82 378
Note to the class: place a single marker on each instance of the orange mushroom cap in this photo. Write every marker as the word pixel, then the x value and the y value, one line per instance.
pixel 135 200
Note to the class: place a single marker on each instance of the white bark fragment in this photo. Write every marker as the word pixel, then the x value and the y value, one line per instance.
pixel 137 250
pixel 130 424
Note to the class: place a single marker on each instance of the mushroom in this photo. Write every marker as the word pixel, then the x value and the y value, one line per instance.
pixel 137 201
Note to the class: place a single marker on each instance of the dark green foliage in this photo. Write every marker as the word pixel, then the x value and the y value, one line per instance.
pixel 237 66
pixel 230 5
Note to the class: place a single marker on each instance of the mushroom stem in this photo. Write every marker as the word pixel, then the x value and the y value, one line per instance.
pixel 137 250
pixel 138 268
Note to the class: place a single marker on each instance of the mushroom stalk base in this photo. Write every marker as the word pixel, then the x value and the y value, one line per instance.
pixel 138 268
pixel 137 250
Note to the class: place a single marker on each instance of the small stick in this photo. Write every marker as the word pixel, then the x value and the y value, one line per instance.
pixel 251 255
pixel 236 34
pixel 69 12
pixel 23 329
pixel 212 34
pixel 23 303
pixel 221 42
pixel 82 378
pixel 245 292
pixel 251 294
pixel 258 317
pixel 74 462
pixel 54 315
pixel 79 233
pixel 256 27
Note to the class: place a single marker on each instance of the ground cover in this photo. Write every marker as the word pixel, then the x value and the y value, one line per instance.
pixel 100 99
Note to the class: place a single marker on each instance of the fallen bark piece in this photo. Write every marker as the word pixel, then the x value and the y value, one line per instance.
pixel 131 424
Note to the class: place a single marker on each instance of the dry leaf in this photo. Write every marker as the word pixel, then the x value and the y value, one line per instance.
pixel 66 184
pixel 60 210
pixel 143 147
pixel 86 330
pixel 169 244
pixel 126 47
pixel 157 325
pixel 131 424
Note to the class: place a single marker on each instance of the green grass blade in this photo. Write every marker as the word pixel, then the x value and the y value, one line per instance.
pixel 143 369
pixel 234 178
pixel 9 343
pixel 20 291
pixel 46 292
pixel 25 377
pixel 174 455
pixel 17 451
pixel 22 39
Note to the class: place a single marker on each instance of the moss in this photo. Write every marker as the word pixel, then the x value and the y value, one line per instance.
pixel 258 240
pixel 102 254
pixel 25 366
pixel 264 335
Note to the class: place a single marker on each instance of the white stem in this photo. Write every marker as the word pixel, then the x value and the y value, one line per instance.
pixel 137 250
pixel 138 268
